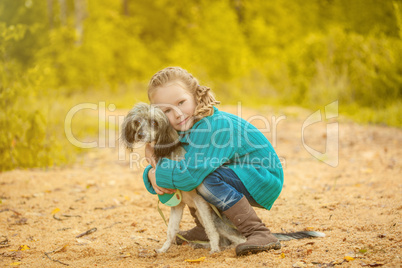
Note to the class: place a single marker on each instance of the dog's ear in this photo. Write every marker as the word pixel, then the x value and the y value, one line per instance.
pixel 166 141
pixel 128 133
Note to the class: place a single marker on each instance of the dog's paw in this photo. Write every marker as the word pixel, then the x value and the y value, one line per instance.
pixel 212 251
pixel 160 250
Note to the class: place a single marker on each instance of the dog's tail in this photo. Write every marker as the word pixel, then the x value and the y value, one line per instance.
pixel 298 235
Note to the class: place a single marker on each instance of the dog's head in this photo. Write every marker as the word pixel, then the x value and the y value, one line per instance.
pixel 147 123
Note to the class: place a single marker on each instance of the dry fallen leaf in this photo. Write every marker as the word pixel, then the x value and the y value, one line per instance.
pixel 125 255
pixel 196 260
pixel 348 258
pixel 23 247
pixel 54 211
pixel 60 249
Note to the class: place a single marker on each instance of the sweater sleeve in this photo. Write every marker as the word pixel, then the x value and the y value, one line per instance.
pixel 147 184
pixel 211 145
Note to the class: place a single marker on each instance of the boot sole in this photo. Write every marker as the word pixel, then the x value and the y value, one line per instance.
pixel 242 250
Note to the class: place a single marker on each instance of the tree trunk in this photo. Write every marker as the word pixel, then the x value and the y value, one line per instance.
pixel 79 9
pixel 238 6
pixel 125 5
pixel 50 13
pixel 63 12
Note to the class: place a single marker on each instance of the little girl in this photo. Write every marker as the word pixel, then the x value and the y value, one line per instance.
pixel 229 161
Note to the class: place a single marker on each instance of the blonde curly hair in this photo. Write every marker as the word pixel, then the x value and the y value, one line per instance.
pixel 202 94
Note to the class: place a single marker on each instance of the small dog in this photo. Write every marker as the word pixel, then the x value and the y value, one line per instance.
pixel 146 123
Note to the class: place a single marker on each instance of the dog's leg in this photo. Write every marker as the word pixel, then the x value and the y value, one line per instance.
pixel 176 213
pixel 226 230
pixel 204 211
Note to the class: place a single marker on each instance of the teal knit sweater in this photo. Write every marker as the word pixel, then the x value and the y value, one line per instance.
pixel 223 139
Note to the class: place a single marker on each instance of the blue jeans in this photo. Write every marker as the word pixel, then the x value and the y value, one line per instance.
pixel 223 189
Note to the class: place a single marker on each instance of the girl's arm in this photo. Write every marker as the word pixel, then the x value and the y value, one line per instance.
pixel 149 173
pixel 147 184
pixel 150 182
pixel 212 144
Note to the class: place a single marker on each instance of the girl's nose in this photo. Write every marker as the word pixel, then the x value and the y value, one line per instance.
pixel 178 113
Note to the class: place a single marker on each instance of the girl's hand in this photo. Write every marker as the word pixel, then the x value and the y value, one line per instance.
pixel 149 154
pixel 158 190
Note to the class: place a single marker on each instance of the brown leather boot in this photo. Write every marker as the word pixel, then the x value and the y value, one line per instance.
pixel 259 237
pixel 195 234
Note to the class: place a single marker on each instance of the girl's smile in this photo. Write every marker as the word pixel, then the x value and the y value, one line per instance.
pixel 184 121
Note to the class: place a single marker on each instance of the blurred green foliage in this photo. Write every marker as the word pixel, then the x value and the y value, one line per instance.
pixel 55 54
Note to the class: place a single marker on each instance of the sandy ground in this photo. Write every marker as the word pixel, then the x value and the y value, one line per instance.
pixel 356 204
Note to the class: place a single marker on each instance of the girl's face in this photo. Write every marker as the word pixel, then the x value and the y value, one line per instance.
pixel 177 104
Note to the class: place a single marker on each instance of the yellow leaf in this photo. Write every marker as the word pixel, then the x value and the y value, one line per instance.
pixel 127 198
pixel 348 258
pixel 54 211
pixel 126 255
pixel 15 263
pixel 197 260
pixel 282 256
pixel 309 228
pixel 24 247
pixel 62 248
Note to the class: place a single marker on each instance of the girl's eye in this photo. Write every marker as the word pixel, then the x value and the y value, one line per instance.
pixel 166 111
pixel 180 103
